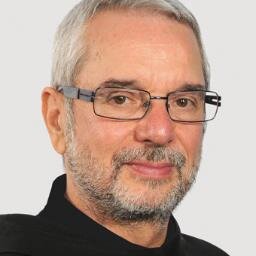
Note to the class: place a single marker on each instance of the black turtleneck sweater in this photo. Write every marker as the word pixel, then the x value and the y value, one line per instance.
pixel 61 229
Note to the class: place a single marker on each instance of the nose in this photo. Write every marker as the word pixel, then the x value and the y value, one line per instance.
pixel 156 127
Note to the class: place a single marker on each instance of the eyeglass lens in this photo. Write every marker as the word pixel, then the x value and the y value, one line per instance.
pixel 128 104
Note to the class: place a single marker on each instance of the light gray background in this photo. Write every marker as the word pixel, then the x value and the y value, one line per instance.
pixel 221 207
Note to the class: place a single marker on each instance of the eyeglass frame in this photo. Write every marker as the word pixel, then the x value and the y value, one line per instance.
pixel 74 92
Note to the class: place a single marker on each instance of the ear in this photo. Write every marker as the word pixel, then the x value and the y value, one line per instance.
pixel 53 112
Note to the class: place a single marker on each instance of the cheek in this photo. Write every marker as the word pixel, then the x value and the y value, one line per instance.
pixel 191 136
pixel 101 136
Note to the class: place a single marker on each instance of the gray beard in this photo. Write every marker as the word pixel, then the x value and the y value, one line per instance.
pixel 112 200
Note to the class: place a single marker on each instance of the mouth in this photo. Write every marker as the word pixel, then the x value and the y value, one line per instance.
pixel 151 170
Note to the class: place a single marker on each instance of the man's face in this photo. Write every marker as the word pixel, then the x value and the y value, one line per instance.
pixel 136 169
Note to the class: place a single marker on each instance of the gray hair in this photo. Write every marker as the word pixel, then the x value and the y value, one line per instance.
pixel 70 49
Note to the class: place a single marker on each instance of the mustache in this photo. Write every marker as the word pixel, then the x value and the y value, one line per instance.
pixel 152 154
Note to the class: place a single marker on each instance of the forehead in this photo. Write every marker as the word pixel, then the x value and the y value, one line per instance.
pixel 140 45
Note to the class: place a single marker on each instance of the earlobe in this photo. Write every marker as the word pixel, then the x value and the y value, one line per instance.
pixel 53 113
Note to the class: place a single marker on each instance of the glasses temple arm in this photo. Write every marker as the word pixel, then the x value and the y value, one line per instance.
pixel 76 93
pixel 213 100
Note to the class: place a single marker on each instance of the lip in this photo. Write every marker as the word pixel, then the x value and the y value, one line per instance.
pixel 151 170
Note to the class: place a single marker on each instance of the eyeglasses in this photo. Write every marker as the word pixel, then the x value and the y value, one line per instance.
pixel 133 104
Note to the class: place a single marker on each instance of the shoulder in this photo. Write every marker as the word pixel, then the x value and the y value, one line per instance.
pixel 11 254
pixel 11 228
pixel 12 218
pixel 10 224
pixel 18 232
pixel 27 227
pixel 25 235
pixel 196 246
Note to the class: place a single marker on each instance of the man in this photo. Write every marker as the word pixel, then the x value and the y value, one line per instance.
pixel 127 111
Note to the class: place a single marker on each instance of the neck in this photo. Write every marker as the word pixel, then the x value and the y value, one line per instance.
pixel 148 234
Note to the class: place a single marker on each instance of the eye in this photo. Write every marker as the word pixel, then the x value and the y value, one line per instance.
pixel 183 102
pixel 186 101
pixel 119 99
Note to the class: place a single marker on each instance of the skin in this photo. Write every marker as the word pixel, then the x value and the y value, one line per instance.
pixel 161 55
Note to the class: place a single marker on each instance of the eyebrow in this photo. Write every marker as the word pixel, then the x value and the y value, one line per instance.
pixel 133 84
pixel 120 83
pixel 191 87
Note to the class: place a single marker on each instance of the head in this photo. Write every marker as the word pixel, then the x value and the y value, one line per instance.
pixel 136 170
